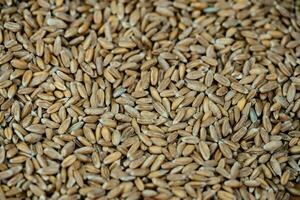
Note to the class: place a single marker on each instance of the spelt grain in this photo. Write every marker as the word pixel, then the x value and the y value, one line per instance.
pixel 146 99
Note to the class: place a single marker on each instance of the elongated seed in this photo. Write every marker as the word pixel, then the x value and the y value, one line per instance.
pixel 149 99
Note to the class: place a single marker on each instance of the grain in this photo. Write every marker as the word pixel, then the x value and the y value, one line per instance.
pixel 272 145
pixel 112 157
pixel 149 99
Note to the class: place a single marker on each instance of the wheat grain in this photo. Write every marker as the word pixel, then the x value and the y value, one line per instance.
pixel 149 99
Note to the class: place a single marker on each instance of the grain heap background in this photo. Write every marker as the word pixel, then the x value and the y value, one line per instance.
pixel 149 99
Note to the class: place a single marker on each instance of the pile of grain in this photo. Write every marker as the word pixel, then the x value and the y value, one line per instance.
pixel 149 99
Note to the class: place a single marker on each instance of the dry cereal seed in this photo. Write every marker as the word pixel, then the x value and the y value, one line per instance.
pixel 166 99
